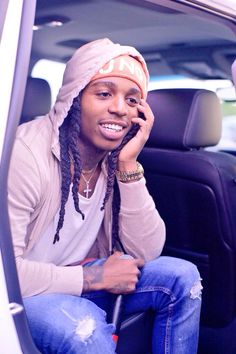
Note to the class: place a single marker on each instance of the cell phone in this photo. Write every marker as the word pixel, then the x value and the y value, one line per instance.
pixel 141 115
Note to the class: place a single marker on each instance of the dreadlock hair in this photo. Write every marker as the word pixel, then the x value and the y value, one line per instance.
pixel 69 133
pixel 68 137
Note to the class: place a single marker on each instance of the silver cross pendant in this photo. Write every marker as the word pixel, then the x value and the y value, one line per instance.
pixel 87 190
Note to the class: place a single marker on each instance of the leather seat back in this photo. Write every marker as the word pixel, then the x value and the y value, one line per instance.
pixel 37 100
pixel 195 192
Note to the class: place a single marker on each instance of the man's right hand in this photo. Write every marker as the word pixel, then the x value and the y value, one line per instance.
pixel 116 275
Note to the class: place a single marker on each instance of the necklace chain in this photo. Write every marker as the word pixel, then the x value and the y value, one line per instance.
pixel 89 171
pixel 88 190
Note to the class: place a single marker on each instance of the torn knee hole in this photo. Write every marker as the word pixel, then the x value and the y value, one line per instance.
pixel 196 290
pixel 84 327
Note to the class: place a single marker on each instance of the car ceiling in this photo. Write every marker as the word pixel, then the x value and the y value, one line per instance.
pixel 172 42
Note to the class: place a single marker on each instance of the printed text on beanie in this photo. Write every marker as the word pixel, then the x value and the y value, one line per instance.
pixel 127 67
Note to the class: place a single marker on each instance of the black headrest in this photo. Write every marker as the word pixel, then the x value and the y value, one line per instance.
pixel 37 101
pixel 184 118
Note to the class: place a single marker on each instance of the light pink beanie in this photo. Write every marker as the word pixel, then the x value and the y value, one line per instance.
pixel 82 67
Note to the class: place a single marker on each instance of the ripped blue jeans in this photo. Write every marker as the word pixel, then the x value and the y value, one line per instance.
pixel 66 324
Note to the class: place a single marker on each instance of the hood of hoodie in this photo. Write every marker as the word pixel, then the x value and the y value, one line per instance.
pixel 80 69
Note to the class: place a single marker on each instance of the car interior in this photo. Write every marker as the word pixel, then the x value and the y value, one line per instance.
pixel 195 192
pixel 194 188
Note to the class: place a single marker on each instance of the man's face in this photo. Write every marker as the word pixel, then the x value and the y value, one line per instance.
pixel 107 107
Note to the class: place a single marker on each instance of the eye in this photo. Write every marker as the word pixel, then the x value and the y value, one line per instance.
pixel 132 101
pixel 103 94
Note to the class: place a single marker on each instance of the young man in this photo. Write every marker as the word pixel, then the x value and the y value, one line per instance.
pixel 78 202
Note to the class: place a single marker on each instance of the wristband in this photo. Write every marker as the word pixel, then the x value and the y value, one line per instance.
pixel 128 176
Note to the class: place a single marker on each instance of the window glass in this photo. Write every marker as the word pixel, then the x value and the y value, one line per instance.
pixel 52 72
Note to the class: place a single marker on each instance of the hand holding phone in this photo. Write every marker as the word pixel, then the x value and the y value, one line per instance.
pixel 144 120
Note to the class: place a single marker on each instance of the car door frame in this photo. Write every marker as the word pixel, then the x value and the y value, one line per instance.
pixel 15 334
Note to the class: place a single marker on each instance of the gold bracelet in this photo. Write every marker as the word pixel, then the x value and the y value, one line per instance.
pixel 128 176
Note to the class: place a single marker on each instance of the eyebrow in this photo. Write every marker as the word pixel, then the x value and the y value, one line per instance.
pixel 112 85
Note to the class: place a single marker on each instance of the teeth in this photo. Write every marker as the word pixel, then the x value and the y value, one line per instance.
pixel 113 127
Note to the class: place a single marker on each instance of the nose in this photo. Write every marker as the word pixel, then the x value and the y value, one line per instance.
pixel 118 106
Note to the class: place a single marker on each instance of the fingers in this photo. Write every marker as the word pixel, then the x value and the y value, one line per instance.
pixel 121 273
pixel 145 123
pixel 133 148
pixel 127 285
pixel 138 262
pixel 145 109
pixel 117 254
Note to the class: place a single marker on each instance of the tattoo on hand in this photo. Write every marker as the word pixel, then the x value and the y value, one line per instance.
pixel 122 288
pixel 92 275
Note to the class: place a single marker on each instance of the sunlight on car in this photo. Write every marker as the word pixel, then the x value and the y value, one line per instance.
pixel 52 72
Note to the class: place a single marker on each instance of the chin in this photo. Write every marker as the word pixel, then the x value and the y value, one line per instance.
pixel 113 146
pixel 108 145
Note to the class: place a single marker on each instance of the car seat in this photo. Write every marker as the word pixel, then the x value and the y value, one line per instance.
pixel 37 100
pixel 195 192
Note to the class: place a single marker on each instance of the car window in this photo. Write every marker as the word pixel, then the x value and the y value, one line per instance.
pixel 52 72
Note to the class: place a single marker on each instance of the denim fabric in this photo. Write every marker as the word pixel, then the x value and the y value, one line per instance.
pixel 66 324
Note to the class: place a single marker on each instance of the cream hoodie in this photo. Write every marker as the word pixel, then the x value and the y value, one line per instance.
pixel 34 187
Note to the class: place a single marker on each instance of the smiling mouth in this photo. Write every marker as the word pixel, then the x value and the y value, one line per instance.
pixel 112 127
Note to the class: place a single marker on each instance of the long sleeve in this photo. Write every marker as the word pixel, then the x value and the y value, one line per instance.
pixel 142 230
pixel 28 212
